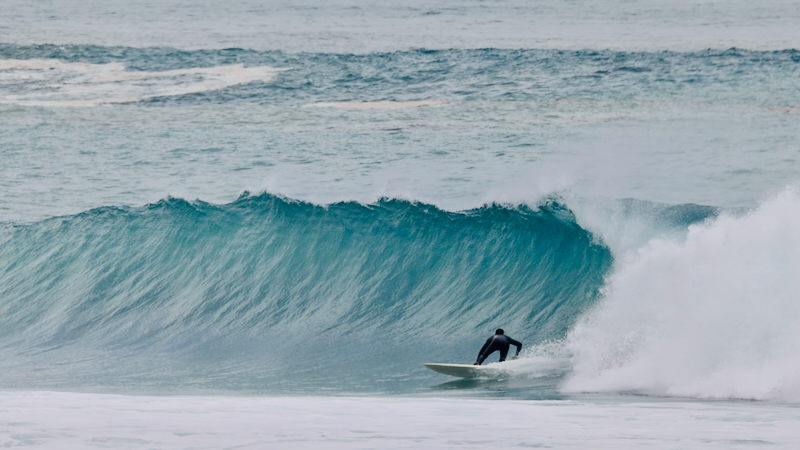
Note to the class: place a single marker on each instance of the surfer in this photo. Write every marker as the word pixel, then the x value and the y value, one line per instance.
pixel 497 342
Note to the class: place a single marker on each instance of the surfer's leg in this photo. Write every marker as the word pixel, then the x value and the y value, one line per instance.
pixel 485 355
pixel 503 354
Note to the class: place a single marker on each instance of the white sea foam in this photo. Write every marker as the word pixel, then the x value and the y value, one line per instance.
pixel 533 367
pixel 50 82
pixel 59 420
pixel 716 315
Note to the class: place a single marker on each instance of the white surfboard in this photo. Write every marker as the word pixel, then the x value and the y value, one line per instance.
pixel 463 370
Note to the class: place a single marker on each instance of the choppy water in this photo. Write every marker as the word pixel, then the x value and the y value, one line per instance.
pixel 113 126
pixel 305 199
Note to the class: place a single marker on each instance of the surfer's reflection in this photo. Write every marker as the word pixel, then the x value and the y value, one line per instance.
pixel 511 387
pixel 471 383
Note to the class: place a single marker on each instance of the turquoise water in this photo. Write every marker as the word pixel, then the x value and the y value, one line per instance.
pixel 320 198
pixel 270 294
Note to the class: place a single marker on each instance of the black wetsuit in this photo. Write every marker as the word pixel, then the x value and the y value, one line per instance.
pixel 497 342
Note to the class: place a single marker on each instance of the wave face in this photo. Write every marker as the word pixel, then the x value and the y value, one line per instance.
pixel 280 294
pixel 714 315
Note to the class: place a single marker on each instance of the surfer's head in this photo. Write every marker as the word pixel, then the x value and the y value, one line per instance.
pixel 499 331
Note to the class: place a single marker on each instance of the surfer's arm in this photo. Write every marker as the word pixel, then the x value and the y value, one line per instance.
pixel 518 344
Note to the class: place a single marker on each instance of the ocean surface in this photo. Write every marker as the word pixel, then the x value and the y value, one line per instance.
pixel 248 224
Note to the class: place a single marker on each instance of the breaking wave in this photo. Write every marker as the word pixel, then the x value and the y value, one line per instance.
pixel 271 282
pixel 51 82
pixel 269 293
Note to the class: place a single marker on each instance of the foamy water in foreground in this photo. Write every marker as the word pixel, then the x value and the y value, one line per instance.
pixel 57 420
